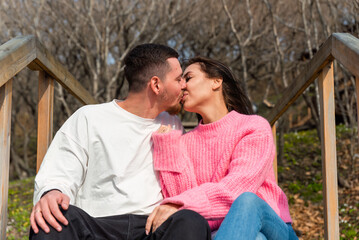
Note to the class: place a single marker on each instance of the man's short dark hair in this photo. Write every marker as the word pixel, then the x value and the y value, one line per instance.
pixel 145 61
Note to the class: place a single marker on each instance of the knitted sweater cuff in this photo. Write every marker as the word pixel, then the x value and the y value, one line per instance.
pixel 166 151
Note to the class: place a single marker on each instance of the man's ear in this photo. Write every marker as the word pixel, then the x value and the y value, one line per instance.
pixel 216 84
pixel 155 83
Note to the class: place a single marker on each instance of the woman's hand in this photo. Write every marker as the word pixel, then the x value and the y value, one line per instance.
pixel 159 215
pixel 164 129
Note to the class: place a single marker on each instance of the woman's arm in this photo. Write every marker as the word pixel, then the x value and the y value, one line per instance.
pixel 250 163
pixel 171 161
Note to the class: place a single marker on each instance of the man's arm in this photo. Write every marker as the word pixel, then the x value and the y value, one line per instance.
pixel 61 174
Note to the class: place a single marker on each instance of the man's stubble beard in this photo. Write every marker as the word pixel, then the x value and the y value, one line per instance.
pixel 173 110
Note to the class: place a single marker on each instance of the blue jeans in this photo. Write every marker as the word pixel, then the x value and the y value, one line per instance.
pixel 250 217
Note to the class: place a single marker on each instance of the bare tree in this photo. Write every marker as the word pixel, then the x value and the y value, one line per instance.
pixel 265 42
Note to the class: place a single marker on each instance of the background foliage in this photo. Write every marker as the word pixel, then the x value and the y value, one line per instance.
pixel 265 42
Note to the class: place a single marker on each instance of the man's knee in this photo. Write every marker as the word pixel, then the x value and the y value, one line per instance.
pixel 71 214
pixel 190 219
pixel 184 224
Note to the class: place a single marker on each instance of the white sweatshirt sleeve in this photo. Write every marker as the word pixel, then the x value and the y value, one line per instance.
pixel 65 163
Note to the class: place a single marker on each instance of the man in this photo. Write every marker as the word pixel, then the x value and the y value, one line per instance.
pixel 100 162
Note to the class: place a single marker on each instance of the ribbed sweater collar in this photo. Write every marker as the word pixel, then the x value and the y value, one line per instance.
pixel 218 125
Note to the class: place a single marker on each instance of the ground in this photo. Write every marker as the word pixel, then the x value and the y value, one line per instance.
pixel 19 208
pixel 299 176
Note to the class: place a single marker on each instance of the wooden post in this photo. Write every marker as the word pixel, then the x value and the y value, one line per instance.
pixel 45 114
pixel 329 155
pixel 357 92
pixel 274 131
pixel 5 132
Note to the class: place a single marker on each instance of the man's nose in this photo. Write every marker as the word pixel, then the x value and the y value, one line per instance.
pixel 183 83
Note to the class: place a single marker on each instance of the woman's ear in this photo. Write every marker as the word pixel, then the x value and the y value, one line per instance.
pixel 217 83
pixel 155 85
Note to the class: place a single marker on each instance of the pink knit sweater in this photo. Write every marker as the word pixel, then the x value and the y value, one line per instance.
pixel 206 169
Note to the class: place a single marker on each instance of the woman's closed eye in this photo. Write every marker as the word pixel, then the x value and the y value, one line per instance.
pixel 187 78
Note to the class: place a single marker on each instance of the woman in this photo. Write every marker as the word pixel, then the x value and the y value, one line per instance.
pixel 225 163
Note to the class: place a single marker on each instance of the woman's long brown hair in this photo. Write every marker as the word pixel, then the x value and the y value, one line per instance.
pixel 233 93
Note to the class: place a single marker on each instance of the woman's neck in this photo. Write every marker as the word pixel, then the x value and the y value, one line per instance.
pixel 213 114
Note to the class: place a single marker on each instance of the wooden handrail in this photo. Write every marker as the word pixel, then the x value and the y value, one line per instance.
pixel 340 46
pixel 21 52
pixel 345 49
pixel 15 55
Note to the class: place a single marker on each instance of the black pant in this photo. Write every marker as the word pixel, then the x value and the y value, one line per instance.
pixel 184 224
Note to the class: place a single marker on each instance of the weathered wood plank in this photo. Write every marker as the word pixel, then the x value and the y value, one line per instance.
pixel 329 155
pixel 275 167
pixel 15 55
pixel 357 92
pixel 55 69
pixel 45 116
pixel 20 52
pixel 306 77
pixel 345 49
pixel 5 131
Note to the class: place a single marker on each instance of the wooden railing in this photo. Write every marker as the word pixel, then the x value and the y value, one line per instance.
pixel 23 52
pixel 15 55
pixel 344 48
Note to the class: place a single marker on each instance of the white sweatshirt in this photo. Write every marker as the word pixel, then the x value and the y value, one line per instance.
pixel 102 159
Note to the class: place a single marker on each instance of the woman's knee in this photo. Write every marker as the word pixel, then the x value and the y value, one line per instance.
pixel 246 200
pixel 260 236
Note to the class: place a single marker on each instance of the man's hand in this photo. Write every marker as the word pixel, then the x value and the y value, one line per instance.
pixel 47 210
pixel 159 215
